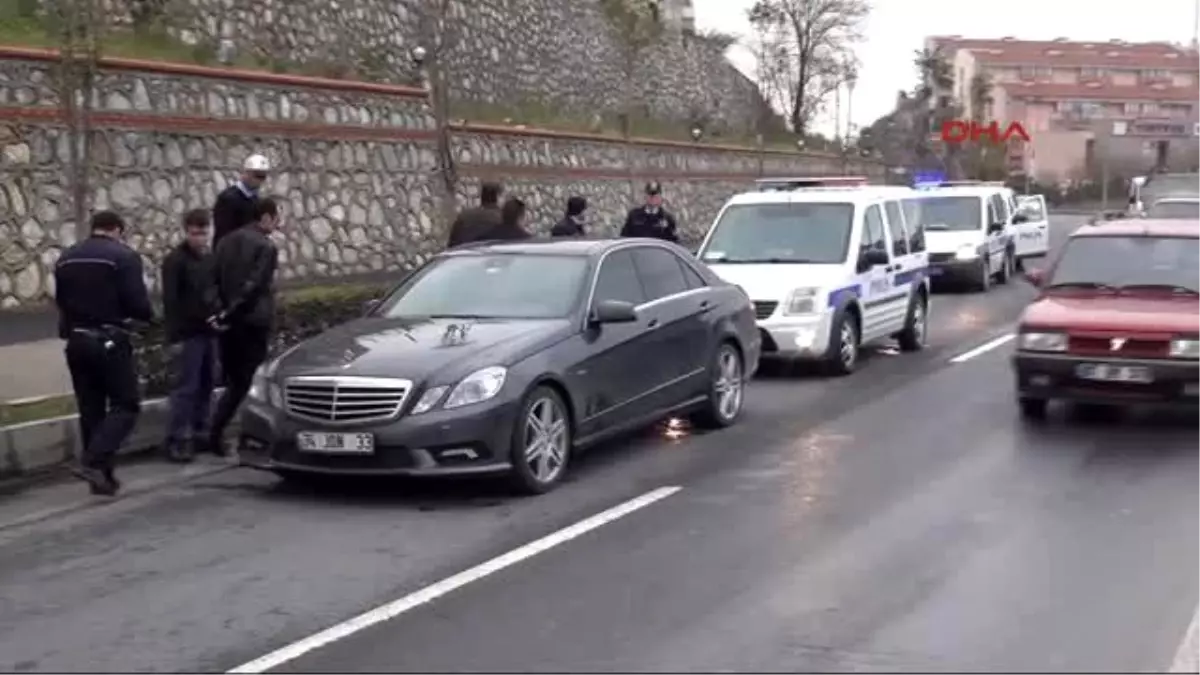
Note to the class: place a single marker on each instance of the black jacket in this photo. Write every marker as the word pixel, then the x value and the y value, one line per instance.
pixel 657 225
pixel 189 293
pixel 567 227
pixel 98 283
pixel 244 267
pixel 233 210
pixel 472 224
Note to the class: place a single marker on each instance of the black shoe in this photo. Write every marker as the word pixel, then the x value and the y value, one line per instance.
pixel 216 445
pixel 180 452
pixel 99 482
pixel 111 476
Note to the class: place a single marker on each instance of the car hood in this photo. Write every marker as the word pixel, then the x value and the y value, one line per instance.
pixel 1135 314
pixel 417 349
pixel 950 241
pixel 775 281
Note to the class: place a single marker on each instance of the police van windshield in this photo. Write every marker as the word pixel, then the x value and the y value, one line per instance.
pixel 781 233
pixel 958 214
pixel 1174 209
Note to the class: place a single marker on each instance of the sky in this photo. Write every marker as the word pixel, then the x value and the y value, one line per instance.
pixel 896 28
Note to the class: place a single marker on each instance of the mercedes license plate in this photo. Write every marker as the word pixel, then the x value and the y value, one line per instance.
pixel 1104 372
pixel 335 443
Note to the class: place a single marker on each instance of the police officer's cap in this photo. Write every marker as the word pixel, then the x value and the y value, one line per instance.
pixel 654 188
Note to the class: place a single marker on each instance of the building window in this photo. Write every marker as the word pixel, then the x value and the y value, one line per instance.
pixel 1132 108
pixel 1043 71
pixel 1091 73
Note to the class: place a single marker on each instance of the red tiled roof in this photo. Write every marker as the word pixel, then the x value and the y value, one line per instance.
pixel 1078 53
pixel 1110 93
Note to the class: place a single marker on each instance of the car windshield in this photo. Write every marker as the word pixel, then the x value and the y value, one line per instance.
pixel 938 214
pixel 490 286
pixel 1170 183
pixel 1175 209
pixel 1121 262
pixel 1032 208
pixel 781 233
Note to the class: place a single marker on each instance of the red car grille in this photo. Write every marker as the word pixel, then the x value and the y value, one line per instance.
pixel 1131 348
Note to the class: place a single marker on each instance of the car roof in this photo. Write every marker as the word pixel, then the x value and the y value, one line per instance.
pixel 1193 198
pixel 564 246
pixel 827 195
pixel 1144 227
pixel 961 191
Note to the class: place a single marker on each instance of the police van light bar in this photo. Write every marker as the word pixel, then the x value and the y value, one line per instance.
pixel 956 183
pixel 810 182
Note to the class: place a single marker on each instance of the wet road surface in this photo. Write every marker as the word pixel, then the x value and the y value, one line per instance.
pixel 898 519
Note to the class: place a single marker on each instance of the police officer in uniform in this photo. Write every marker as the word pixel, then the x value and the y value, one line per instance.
pixel 651 219
pixel 100 291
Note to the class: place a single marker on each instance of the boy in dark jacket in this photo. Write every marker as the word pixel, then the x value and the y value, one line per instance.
pixel 572 224
pixel 474 223
pixel 189 304
pixel 234 208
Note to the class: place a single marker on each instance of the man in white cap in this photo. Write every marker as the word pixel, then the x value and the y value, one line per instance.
pixel 235 204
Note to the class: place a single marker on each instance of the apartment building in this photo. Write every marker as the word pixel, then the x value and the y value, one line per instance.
pixel 1088 106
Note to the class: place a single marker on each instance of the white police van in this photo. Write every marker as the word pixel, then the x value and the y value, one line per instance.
pixel 969 230
pixel 829 263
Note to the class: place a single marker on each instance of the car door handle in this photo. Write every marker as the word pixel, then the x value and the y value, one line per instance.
pixel 705 306
pixel 652 324
pixel 892 268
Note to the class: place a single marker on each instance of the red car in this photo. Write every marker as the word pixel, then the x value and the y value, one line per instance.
pixel 1116 321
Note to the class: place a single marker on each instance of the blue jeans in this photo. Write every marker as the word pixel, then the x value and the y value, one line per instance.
pixel 191 398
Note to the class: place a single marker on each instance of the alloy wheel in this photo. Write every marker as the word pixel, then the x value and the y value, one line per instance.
pixel 848 345
pixel 729 385
pixel 546 440
pixel 920 323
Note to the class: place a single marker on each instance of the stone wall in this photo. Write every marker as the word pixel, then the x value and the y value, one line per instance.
pixel 354 162
pixel 561 52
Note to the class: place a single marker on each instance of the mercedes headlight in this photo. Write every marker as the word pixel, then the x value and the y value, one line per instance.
pixel 263 389
pixel 1185 348
pixel 1042 342
pixel 429 399
pixel 967 252
pixel 801 301
pixel 477 387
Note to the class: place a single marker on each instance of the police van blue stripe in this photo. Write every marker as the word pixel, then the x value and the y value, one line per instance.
pixel 837 296
pixel 910 276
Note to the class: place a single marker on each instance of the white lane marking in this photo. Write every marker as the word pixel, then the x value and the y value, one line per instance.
pixel 983 348
pixel 1187 657
pixel 429 593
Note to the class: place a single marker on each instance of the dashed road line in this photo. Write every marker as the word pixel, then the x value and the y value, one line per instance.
pixel 983 348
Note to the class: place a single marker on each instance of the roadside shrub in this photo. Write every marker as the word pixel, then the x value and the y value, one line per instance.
pixel 300 314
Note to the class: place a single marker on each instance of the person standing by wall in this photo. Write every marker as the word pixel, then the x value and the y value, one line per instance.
pixel 234 207
pixel 651 219
pixel 513 217
pixel 572 223
pixel 244 267
pixel 189 306
pixel 100 290
pixel 472 223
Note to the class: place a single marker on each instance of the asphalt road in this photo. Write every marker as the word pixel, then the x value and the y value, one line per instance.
pixel 899 519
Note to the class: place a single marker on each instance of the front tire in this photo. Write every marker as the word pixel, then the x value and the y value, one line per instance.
pixel 983 276
pixel 913 337
pixel 541 442
pixel 1033 409
pixel 841 358
pixel 726 392
pixel 1007 269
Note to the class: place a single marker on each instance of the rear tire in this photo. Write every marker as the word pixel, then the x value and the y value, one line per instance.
pixel 1033 409
pixel 541 442
pixel 841 357
pixel 726 390
pixel 914 335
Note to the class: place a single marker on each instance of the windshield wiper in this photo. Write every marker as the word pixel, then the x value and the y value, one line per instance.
pixel 1092 285
pixel 472 317
pixel 1174 288
pixel 766 261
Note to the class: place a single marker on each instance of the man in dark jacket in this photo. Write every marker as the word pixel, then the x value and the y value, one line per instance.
pixel 651 219
pixel 473 223
pixel 244 268
pixel 99 290
pixel 189 305
pixel 572 224
pixel 512 223
pixel 235 205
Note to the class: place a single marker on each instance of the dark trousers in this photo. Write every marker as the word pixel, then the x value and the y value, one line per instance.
pixel 104 375
pixel 243 350
pixel 191 396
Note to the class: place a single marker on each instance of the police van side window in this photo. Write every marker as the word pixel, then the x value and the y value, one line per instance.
pixel 996 209
pixel 896 228
pixel 916 230
pixel 873 236
pixel 618 280
pixel 659 272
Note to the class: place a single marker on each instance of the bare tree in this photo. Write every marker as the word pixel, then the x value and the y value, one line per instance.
pixel 441 29
pixel 80 27
pixel 934 98
pixel 638 25
pixel 807 41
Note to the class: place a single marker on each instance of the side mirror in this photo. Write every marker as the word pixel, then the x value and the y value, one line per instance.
pixel 872 258
pixel 1035 278
pixel 995 227
pixel 370 305
pixel 1019 218
pixel 613 311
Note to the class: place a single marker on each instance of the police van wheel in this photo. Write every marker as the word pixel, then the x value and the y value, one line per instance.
pixel 983 283
pixel 1007 269
pixel 842 355
pixel 912 338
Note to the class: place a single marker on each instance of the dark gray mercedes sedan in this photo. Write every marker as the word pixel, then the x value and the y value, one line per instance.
pixel 508 358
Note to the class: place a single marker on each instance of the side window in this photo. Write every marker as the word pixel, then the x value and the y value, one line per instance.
pixel 916 231
pixel 618 280
pixel 660 272
pixel 996 209
pixel 873 235
pixel 896 228
pixel 690 276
